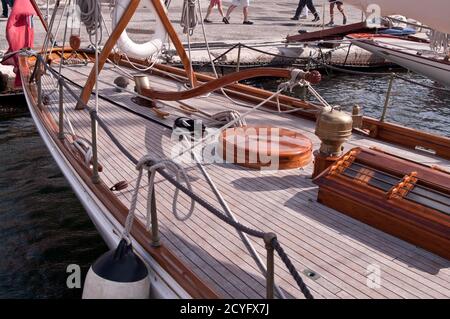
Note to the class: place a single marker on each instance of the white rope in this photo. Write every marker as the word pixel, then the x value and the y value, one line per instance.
pixel 90 11
pixel 85 148
pixel 148 163
pixel 319 97
pixel 225 117
pixel 228 125
pixel 151 66
pixel 189 19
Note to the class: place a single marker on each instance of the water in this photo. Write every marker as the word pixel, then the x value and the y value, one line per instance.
pixel 414 106
pixel 44 228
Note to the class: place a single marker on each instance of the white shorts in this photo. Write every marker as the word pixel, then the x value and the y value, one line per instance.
pixel 244 3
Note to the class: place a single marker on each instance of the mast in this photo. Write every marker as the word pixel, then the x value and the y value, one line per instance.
pixel 115 35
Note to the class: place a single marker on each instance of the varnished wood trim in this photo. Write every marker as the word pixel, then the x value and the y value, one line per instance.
pixel 216 84
pixel 176 42
pixel 181 273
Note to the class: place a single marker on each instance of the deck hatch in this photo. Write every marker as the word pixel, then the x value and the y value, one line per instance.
pixel 430 198
pixel 401 197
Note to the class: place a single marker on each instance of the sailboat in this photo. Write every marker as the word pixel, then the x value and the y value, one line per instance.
pixel 430 59
pixel 201 186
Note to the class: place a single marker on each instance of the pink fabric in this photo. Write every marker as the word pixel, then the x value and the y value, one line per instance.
pixel 215 2
pixel 19 32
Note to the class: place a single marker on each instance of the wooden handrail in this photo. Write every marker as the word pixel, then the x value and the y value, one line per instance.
pixel 224 81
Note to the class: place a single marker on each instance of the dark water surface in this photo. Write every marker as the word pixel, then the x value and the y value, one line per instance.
pixel 44 228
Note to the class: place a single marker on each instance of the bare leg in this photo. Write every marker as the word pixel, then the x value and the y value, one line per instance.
pixel 245 11
pixel 331 12
pixel 208 12
pixel 341 9
pixel 219 7
pixel 230 9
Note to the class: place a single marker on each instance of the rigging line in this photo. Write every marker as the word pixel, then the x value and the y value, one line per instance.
pixel 228 125
pixel 230 214
pixel 64 39
pixel 253 232
pixel 155 60
pixel 96 13
pixel 50 27
pixel 57 28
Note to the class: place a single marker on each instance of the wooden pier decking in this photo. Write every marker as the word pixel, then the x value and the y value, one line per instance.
pixel 338 248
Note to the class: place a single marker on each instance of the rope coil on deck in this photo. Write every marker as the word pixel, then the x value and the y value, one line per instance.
pixel 186 189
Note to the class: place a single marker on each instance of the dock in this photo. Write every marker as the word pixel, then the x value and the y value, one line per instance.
pixel 260 44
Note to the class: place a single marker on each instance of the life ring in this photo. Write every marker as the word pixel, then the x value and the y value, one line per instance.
pixel 131 48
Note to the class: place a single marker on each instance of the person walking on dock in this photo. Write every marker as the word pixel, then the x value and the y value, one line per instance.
pixel 212 3
pixel 340 7
pixel 311 7
pixel 5 4
pixel 236 3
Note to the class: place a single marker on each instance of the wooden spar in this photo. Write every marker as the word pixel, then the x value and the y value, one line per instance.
pixel 216 84
pixel 121 26
pixel 176 41
pixel 109 45
pixel 39 13
pixel 313 77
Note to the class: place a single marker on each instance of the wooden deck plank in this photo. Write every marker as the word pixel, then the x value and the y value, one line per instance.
pixel 315 236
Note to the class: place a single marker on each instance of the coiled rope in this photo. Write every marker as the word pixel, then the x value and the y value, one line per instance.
pixel 151 165
pixel 90 15
pixel 189 18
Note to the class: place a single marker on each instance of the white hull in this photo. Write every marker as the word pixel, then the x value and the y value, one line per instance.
pixel 163 285
pixel 435 70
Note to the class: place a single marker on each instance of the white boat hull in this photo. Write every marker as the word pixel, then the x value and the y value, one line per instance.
pixel 163 286
pixel 435 70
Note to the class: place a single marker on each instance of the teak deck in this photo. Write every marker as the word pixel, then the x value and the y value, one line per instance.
pixel 341 250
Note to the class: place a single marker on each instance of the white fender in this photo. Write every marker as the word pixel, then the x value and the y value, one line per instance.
pixel 131 48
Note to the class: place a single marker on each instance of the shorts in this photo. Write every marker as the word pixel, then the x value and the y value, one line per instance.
pixel 244 3
pixel 215 2
pixel 334 1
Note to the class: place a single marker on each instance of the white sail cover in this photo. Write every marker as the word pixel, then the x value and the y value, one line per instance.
pixel 433 13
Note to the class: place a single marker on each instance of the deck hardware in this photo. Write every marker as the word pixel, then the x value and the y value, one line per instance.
pixel 238 65
pixel 39 89
pixel 154 219
pixel 95 176
pixel 388 96
pixel 61 109
pixel 119 186
pixel 311 274
pixel 357 116
pixel 270 274
pixel 401 189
